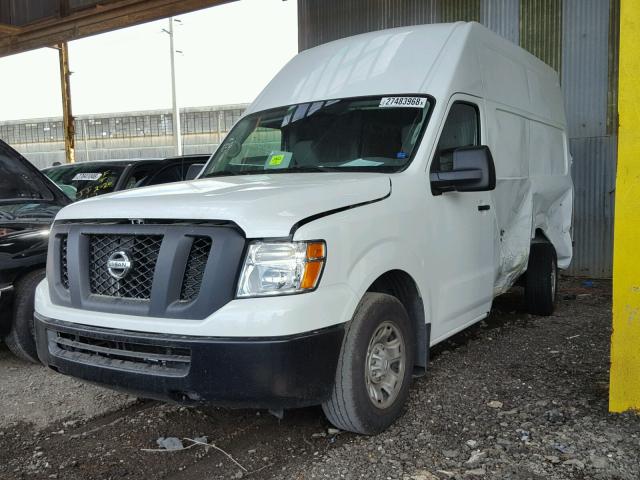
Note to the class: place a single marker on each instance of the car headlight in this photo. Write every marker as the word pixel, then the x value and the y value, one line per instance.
pixel 281 268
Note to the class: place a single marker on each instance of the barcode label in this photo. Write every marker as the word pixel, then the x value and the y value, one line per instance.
pixel 86 176
pixel 408 102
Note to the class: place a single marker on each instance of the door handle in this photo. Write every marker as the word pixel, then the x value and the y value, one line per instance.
pixel 482 208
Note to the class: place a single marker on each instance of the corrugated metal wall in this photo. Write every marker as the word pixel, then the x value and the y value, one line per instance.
pixel 22 12
pixel 454 10
pixel 576 37
pixel 541 29
pixel 586 74
pixel 503 17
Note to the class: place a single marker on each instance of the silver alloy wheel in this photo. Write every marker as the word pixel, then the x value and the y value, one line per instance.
pixel 385 365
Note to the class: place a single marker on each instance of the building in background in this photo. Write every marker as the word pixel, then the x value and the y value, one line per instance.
pixel 578 38
pixel 146 134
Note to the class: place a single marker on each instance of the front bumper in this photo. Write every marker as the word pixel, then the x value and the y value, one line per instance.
pixel 276 372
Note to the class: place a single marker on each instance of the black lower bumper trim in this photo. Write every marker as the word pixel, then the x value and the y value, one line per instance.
pixel 277 372
pixel 6 312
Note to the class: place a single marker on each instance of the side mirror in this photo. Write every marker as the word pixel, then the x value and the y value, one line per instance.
pixel 194 171
pixel 473 171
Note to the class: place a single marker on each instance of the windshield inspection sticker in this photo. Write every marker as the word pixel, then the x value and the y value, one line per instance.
pixel 80 177
pixel 278 160
pixel 406 102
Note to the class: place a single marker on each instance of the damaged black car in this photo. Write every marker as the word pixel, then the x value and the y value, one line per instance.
pixel 29 202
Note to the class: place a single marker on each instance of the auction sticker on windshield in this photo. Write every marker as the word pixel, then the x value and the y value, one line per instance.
pixel 407 102
pixel 79 177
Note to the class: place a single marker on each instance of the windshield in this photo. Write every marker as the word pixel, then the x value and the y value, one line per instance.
pixel 84 181
pixel 18 184
pixel 373 134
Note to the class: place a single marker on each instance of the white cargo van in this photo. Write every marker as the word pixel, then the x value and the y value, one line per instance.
pixel 371 202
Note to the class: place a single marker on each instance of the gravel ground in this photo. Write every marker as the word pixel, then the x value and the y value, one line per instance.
pixel 33 394
pixel 517 397
pixel 514 397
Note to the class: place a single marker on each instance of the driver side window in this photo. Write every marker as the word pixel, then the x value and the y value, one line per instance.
pixel 138 175
pixel 461 129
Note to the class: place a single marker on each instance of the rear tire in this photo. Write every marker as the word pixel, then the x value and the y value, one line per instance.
pixel 374 368
pixel 541 279
pixel 21 337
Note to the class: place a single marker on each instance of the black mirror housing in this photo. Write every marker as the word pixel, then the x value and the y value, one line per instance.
pixel 473 171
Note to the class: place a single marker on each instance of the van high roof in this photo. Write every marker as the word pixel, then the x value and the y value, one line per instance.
pixel 435 59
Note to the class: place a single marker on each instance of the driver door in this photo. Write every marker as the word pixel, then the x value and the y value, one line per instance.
pixel 462 229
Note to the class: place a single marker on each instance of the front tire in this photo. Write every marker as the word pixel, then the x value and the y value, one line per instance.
pixel 541 279
pixel 374 368
pixel 21 339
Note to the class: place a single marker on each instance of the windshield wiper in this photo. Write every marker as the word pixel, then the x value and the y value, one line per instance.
pixel 225 174
pixel 316 168
pixel 22 201
pixel 27 221
pixel 34 216
pixel 301 169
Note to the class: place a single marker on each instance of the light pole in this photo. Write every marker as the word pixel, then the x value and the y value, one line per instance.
pixel 177 134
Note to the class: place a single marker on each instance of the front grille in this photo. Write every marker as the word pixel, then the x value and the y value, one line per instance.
pixel 64 270
pixel 182 271
pixel 143 251
pixel 194 270
pixel 123 355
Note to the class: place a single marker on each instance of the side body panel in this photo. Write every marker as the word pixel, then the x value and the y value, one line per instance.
pixel 534 190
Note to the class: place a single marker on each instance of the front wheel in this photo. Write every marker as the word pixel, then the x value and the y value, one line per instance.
pixel 20 339
pixel 375 367
pixel 541 279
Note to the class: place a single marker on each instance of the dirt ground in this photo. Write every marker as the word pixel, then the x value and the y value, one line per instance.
pixel 514 397
pixel 33 394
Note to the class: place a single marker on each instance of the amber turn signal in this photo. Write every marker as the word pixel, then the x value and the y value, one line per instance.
pixel 316 253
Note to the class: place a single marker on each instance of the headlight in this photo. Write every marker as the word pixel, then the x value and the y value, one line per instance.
pixel 281 268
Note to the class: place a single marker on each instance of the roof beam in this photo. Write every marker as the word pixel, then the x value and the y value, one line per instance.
pixel 9 29
pixel 104 17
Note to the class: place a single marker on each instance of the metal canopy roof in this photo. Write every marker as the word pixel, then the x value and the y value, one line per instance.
pixel 30 24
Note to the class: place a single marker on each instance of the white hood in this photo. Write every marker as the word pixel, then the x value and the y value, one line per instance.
pixel 262 205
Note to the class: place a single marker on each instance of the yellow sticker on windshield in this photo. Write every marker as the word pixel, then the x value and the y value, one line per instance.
pixel 276 160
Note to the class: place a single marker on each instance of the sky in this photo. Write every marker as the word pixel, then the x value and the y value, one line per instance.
pixel 229 53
